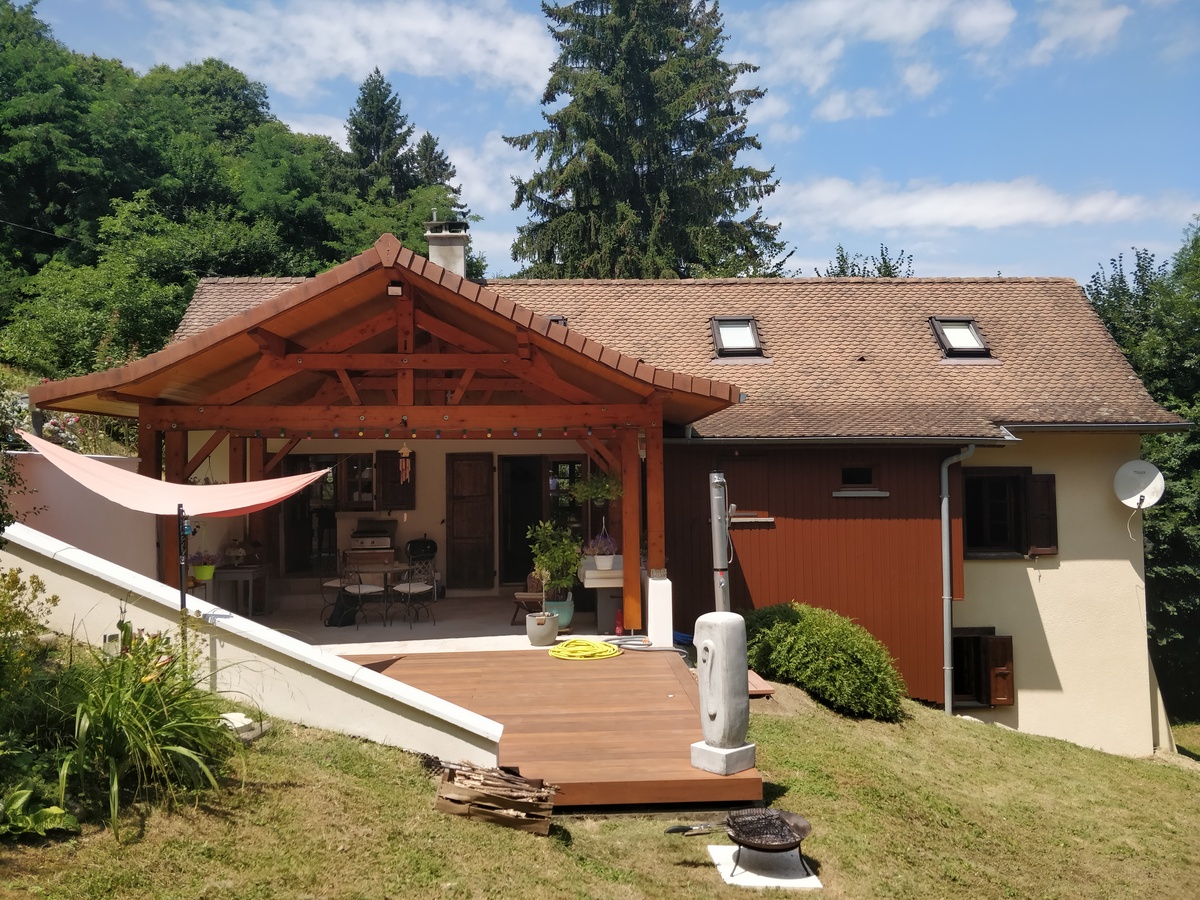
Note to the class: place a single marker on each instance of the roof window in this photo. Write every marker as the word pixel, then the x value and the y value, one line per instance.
pixel 959 336
pixel 736 336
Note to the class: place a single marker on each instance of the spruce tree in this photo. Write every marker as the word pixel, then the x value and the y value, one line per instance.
pixel 640 176
pixel 378 134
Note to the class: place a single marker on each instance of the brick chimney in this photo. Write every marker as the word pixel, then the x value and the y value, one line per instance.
pixel 447 245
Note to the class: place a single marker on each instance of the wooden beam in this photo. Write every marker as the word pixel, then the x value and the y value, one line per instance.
pixel 631 522
pixel 366 362
pixel 451 335
pixel 243 418
pixel 213 442
pixel 461 389
pixel 268 342
pixel 269 370
pixel 405 343
pixel 348 387
pixel 237 460
pixel 279 455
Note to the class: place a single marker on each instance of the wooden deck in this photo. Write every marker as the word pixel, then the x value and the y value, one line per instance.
pixel 611 732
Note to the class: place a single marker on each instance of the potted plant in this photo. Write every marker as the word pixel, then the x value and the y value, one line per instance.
pixel 203 565
pixel 599 487
pixel 602 548
pixel 556 558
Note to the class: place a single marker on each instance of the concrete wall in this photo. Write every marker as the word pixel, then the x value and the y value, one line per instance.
pixel 1078 620
pixel 253 664
pixel 57 505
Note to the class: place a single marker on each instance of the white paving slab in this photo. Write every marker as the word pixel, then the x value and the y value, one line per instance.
pixel 756 869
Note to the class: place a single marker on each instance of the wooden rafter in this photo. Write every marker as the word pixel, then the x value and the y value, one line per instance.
pixel 280 455
pixel 268 342
pixel 451 335
pixel 348 385
pixel 456 397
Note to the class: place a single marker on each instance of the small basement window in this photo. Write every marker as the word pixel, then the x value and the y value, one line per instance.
pixel 736 336
pixel 959 336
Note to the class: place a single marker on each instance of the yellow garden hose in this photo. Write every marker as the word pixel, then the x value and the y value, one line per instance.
pixel 581 648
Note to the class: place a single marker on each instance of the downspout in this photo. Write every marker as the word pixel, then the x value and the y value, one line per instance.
pixel 947 598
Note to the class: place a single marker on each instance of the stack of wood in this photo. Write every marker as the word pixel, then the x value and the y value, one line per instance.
pixel 496 795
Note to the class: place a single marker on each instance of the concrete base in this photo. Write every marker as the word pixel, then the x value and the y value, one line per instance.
pixel 721 761
pixel 660 624
pixel 755 869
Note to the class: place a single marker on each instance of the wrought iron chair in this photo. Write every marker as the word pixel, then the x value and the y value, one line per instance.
pixel 417 591
pixel 349 589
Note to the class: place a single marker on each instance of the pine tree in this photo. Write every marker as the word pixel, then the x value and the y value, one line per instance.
pixel 640 176
pixel 378 134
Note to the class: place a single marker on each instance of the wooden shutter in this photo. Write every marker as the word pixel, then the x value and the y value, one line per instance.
pixel 1041 513
pixel 396 479
pixel 998 656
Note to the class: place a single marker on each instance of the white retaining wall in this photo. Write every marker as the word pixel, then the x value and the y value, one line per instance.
pixel 280 675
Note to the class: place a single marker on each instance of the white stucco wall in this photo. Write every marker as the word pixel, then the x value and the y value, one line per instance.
pixel 278 674
pixel 1080 660
pixel 60 506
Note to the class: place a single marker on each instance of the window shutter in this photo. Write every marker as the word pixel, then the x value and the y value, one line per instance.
pixel 998 656
pixel 1041 513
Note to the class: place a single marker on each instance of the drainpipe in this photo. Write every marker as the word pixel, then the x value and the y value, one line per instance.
pixel 947 599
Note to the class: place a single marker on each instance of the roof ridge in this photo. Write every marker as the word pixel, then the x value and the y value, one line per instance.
pixel 662 282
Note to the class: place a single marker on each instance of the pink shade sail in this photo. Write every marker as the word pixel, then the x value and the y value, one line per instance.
pixel 162 498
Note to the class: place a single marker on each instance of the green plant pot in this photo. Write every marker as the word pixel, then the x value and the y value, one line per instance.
pixel 541 628
pixel 565 609
pixel 203 573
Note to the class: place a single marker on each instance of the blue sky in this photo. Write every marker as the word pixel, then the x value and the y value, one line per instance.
pixel 1026 137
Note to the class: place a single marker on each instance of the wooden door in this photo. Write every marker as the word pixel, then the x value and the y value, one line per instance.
pixel 470 535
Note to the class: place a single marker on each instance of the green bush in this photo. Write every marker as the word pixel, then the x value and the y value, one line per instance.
pixel 836 661
pixel 144 725
pixel 24 608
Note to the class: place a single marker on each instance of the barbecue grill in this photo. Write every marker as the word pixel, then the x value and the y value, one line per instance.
pixel 765 830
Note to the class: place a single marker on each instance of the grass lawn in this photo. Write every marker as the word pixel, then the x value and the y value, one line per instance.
pixel 935 807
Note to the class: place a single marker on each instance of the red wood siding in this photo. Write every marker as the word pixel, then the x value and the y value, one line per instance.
pixel 876 560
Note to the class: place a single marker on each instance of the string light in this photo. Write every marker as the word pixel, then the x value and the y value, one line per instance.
pixel 464 434
pixel 539 432
pixel 308 436
pixel 360 432
pixel 489 432
pixel 514 432
pixel 387 432
pixel 589 431
pixel 564 431
pixel 335 432
pixel 414 434
pixel 437 435
pixel 282 433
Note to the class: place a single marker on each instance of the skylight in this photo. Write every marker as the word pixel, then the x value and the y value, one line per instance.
pixel 959 336
pixel 736 336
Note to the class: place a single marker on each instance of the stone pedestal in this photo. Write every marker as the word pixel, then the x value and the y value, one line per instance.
pixel 722 760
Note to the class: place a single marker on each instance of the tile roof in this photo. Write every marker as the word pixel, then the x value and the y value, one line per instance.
pixel 225 297
pixel 848 358
pixel 856 357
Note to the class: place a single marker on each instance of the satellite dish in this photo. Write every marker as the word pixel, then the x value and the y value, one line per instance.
pixel 1138 484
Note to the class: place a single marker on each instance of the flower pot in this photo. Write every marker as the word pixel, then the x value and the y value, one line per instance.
pixel 605 561
pixel 564 609
pixel 542 628
pixel 203 573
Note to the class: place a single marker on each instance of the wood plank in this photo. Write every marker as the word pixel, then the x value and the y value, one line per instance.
pixel 611 732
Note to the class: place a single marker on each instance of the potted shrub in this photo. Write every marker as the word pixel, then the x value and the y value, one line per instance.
pixel 602 548
pixel 203 565
pixel 556 558
pixel 599 487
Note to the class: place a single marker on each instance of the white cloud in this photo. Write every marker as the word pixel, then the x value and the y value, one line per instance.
pixel 486 173
pixel 983 22
pixel 836 203
pixel 1085 27
pixel 863 103
pixel 316 123
pixel 293 45
pixel 774 115
pixel 920 78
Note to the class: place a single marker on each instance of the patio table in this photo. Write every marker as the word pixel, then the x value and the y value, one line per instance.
pixel 247 575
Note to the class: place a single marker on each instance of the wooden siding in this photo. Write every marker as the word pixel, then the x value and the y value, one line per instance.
pixel 876 560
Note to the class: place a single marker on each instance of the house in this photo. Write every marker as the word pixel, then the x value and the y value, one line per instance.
pixel 895 449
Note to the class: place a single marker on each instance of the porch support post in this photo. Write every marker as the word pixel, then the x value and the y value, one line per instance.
pixel 631 520
pixel 175 458
pixel 150 464
pixel 256 528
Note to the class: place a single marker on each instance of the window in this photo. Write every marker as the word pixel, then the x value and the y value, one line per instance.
pixel 959 336
pixel 736 336
pixel 857 476
pixel 983 668
pixel 1008 512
